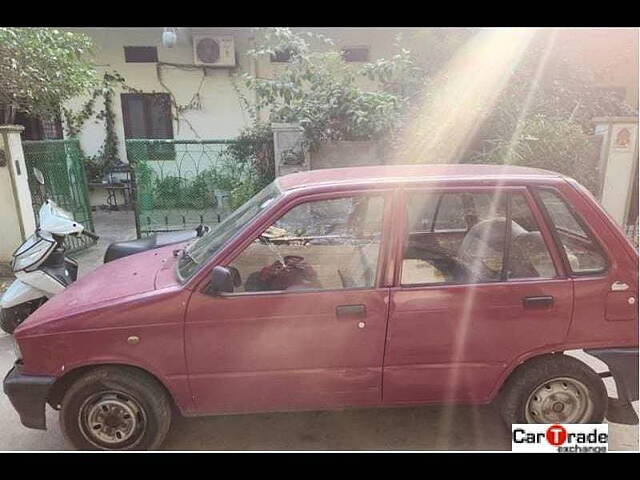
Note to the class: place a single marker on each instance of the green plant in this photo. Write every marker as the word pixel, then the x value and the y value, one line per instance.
pixel 554 144
pixel 247 164
pixel 178 192
pixel 545 120
pixel 40 69
pixel 168 192
pixel 97 165
pixel 322 92
pixel 197 193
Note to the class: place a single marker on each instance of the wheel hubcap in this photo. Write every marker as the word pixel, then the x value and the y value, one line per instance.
pixel 112 420
pixel 559 400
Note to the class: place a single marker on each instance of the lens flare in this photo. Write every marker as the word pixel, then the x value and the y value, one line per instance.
pixel 461 95
pixel 452 108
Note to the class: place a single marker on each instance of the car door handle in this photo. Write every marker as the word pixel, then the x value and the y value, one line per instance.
pixel 537 302
pixel 351 311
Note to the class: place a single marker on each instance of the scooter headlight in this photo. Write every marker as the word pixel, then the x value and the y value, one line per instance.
pixel 26 259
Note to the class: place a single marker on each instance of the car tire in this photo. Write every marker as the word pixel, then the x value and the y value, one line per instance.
pixel 115 408
pixel 553 389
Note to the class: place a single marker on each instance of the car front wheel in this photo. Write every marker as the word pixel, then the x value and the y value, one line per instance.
pixel 113 408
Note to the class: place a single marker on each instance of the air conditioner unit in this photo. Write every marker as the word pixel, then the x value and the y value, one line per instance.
pixel 214 50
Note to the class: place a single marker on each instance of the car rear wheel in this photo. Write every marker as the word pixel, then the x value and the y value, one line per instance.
pixel 553 389
pixel 115 408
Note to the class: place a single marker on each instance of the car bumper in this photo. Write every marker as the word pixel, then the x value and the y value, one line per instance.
pixel 623 365
pixel 28 395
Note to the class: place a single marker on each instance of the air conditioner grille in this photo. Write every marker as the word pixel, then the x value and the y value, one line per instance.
pixel 208 50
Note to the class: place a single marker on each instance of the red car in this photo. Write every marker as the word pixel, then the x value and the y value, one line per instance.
pixel 354 287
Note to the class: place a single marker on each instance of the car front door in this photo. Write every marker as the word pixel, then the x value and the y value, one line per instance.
pixel 465 307
pixel 305 326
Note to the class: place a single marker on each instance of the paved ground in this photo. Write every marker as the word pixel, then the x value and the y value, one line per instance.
pixel 423 428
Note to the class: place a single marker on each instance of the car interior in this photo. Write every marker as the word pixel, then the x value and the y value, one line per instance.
pixel 330 244
pixel 464 240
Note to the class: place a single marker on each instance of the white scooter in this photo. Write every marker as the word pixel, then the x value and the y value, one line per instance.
pixel 41 268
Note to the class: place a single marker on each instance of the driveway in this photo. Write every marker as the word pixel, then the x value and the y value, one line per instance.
pixel 415 428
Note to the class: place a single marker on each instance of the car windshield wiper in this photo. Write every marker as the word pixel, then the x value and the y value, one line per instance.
pixel 182 252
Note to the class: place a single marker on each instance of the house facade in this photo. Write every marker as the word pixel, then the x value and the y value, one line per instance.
pixel 209 97
pixel 179 92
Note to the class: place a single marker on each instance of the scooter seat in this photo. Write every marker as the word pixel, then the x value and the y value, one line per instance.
pixel 130 247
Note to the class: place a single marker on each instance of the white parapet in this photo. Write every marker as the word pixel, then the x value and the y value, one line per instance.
pixel 17 220
pixel 619 159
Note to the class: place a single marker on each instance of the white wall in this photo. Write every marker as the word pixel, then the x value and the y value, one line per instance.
pixel 16 211
pixel 11 236
pixel 620 163
pixel 221 115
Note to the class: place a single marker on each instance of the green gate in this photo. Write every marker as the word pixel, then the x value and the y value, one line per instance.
pixel 61 163
pixel 179 184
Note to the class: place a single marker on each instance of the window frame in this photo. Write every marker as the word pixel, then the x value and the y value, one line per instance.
pixel 153 151
pixel 126 118
pixel 229 257
pixel 556 236
pixel 34 127
pixel 508 191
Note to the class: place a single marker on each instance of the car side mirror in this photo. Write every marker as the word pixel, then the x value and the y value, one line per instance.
pixel 221 281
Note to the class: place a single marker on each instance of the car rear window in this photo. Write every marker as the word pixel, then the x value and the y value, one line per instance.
pixel 582 251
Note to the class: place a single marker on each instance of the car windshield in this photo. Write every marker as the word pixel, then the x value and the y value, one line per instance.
pixel 197 253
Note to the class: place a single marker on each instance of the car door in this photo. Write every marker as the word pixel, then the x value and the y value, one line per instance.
pixel 605 280
pixel 305 326
pixel 461 313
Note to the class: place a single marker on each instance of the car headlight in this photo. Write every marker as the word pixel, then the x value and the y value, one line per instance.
pixel 16 348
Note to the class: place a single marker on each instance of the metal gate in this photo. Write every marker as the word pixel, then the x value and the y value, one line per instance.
pixel 179 184
pixel 61 163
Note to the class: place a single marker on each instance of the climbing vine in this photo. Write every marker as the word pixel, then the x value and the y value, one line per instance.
pixel 107 156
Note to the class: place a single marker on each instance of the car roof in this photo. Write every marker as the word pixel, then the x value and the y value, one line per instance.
pixel 396 174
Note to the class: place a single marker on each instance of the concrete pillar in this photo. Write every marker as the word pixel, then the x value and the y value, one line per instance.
pixel 618 160
pixel 17 220
pixel 290 154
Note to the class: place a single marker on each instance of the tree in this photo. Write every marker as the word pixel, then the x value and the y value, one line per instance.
pixel 40 68
pixel 322 92
pixel 544 120
pixel 319 90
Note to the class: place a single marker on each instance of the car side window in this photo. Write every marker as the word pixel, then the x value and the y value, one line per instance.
pixel 529 256
pixel 469 254
pixel 477 252
pixel 447 215
pixel 583 252
pixel 324 244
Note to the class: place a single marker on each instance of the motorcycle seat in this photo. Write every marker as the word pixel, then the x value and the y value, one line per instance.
pixel 130 247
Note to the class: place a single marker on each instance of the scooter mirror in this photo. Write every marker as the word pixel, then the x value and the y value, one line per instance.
pixel 38 176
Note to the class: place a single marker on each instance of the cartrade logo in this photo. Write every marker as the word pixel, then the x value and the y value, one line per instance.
pixel 556 435
pixel 585 438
